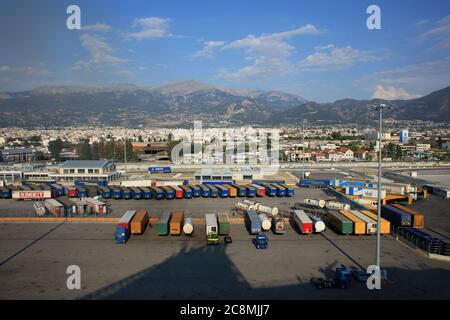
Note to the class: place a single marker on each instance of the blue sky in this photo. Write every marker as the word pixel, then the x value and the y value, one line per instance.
pixel 321 50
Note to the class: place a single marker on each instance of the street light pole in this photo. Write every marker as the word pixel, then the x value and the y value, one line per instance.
pixel 125 150
pixel 303 148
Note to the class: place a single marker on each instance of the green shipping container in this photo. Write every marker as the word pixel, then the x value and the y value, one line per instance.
pixel 224 224
pixel 162 226
pixel 340 223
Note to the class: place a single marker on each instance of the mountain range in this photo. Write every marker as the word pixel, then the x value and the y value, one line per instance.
pixel 179 103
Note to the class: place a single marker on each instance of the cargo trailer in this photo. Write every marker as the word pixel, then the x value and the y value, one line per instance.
pixel 39 209
pixel 241 191
pixel 126 193
pixel 81 206
pixel 139 222
pixel 252 222
pixel 232 191
pixel 281 191
pixel 441 191
pixel 206 192
pixel 196 191
pixel 179 193
pixel 176 222
pixel 365 192
pixel 385 225
pixel 396 216
pixel 169 193
pixel 288 191
pixel 162 226
pixel 315 203
pixel 125 220
pixel 251 191
pixel 260 190
pixel 5 193
pixel 392 188
pixel 339 223
pixel 81 192
pixel 371 225
pixel 186 191
pixel 224 224
pixel 91 191
pixel 266 223
pixel 71 192
pixel 314 183
pixel 116 192
pixel 54 207
pixel 342 183
pixel 157 193
pixel 136 193
pixel 59 190
pixel 271 191
pixel 69 207
pixel 318 224
pixel 213 192
pixel 146 192
pixel 223 191
pixel 105 192
pixel 417 218
pixel 334 205
pixel 359 226
pixel 31 195
pixel 97 207
pixel 212 229
pixel 302 222
pixel 188 226
pixel 278 224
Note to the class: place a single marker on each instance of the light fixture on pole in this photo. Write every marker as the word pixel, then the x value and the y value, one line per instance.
pixel 380 107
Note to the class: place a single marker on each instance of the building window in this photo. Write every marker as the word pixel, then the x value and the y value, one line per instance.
pixel 72 170
pixel 90 170
pixel 81 171
pixel 96 171
pixel 66 171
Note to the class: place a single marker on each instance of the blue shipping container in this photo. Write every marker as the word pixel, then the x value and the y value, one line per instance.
pixel 314 183
pixel 196 191
pixel 395 216
pixel 346 183
pixel 159 170
pixel 82 183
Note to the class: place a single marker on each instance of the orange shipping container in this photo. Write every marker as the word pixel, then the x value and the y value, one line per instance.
pixel 417 218
pixel 139 222
pixel 385 227
pixel 232 192
pixel 359 226
pixel 176 223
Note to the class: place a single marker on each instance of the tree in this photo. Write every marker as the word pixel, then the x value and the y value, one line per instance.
pixel 84 150
pixel 55 147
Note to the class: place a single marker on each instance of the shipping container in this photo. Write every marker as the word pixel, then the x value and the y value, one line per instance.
pixel 146 192
pixel 206 192
pixel 157 193
pixel 251 191
pixel 211 223
pixel 385 225
pixel 126 193
pixel 71 192
pixel 188 227
pixel 252 222
pixel 125 220
pixel 318 224
pixel 315 203
pixel 288 191
pixel 271 191
pixel 139 222
pixel 97 207
pixel 81 192
pixel 159 170
pixel 213 192
pixel 91 191
pixel 186 191
pixel 339 223
pixel 5 193
pixel 260 190
pixel 69 207
pixel 395 216
pixel 302 222
pixel 169 193
pixel 136 193
pixel 392 188
pixel 54 207
pixel 196 191
pixel 333 205
pixel 232 191
pixel 341 183
pixel 365 192
pixel 162 226
pixel 321 183
pixel 116 192
pixel 105 192
pixel 81 206
pixel 281 191
pixel 121 235
pixel 31 195
pixel 441 191
pixel 359 226
pixel 417 218
pixel 223 190
pixel 39 209
pixel 59 190
pixel 278 224
pixel 241 191
pixel 224 224
pixel 176 222
pixel 371 225
pixel 82 183
pixel 179 193
pixel 266 222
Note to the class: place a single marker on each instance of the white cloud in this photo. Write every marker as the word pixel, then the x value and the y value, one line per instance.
pixel 207 50
pixel 98 27
pixel 150 28
pixel 422 22
pixel 391 93
pixel 439 34
pixel 270 54
pixel 332 57
pixel 30 70
pixel 101 53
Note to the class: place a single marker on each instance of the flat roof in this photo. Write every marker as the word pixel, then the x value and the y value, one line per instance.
pixel 85 163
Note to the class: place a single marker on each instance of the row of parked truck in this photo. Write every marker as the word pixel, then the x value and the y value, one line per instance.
pixel 37 191
pixel 66 207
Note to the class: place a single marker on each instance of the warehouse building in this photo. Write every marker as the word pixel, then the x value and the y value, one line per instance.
pixel 86 170
pixel 18 155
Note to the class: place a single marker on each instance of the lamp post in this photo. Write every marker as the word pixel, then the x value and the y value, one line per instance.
pixel 380 107
pixel 303 148
pixel 125 149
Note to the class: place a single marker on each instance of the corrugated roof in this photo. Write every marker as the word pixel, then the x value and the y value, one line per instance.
pixel 85 163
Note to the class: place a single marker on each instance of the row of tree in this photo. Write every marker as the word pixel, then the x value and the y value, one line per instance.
pixel 111 149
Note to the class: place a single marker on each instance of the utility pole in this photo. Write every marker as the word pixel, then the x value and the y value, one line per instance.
pixel 303 148
pixel 380 107
pixel 125 149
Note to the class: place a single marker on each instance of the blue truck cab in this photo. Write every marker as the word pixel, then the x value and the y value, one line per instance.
pixel 146 192
pixel 157 193
pixel 261 241
pixel 117 193
pixel 196 191
pixel 121 235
